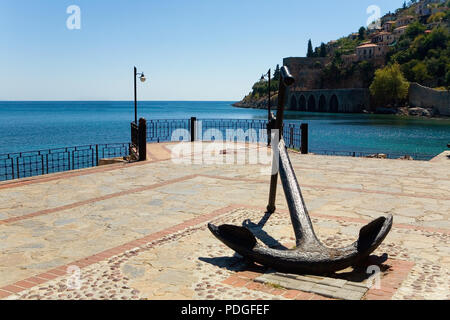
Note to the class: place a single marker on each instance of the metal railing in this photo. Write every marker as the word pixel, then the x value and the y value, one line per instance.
pixel 163 130
pixel 374 154
pixel 35 163
pixel 243 130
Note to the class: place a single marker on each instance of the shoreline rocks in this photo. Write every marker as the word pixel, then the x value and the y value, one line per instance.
pixel 413 112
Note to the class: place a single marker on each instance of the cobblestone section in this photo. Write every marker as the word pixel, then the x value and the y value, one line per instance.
pixel 191 264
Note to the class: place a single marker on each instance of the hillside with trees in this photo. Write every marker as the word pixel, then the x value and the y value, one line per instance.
pixel 414 46
pixel 422 52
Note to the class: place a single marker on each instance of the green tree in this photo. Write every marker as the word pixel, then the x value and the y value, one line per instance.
pixel 362 33
pixel 389 86
pixel 310 53
pixel 277 73
pixel 407 70
pixel 447 80
pixel 421 73
pixel 415 29
pixel 323 50
pixel 437 17
pixel 367 71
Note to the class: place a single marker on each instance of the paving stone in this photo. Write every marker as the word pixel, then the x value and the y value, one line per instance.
pixel 324 290
pixel 72 218
pixel 351 287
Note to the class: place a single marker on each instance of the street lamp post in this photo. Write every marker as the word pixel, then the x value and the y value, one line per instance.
pixel 269 115
pixel 142 78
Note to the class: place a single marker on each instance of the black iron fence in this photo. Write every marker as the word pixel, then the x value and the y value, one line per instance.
pixel 375 154
pixel 35 163
pixel 241 130
pixel 251 130
pixel 28 164
pixel 163 130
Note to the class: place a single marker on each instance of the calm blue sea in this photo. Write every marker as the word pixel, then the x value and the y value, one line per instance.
pixel 28 126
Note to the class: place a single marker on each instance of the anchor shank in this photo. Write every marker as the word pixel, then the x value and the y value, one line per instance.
pixel 303 229
pixel 286 81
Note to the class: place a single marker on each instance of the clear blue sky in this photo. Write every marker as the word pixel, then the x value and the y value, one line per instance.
pixel 190 49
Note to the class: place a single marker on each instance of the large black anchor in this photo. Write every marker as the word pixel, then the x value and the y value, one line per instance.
pixel 310 256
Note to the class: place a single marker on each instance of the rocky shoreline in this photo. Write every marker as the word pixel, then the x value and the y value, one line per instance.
pixel 415 112
pixel 261 103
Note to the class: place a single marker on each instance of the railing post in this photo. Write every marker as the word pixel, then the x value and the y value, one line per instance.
pixel 12 169
pixel 18 168
pixel 304 147
pixel 193 127
pixel 42 163
pixel 142 133
pixel 96 155
pixel 291 144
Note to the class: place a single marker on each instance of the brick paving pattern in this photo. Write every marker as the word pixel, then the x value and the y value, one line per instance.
pixel 138 231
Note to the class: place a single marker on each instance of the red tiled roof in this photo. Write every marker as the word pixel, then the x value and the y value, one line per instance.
pixel 369 45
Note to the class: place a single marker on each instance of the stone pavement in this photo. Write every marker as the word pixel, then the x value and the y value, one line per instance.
pixel 138 231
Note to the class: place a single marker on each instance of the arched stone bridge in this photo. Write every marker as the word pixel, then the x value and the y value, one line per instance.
pixel 331 101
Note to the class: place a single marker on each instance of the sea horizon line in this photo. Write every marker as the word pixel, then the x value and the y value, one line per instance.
pixel 118 101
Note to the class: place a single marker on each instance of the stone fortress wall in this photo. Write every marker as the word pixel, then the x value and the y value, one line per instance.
pixel 306 71
pixel 420 96
pixel 330 101
pixel 307 95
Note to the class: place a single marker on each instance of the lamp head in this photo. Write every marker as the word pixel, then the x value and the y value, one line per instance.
pixel 142 78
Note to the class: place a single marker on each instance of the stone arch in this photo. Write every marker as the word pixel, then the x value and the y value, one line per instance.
pixel 334 104
pixel 302 103
pixel 311 103
pixel 293 105
pixel 322 104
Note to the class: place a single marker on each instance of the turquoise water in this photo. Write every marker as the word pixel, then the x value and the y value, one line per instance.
pixel 26 126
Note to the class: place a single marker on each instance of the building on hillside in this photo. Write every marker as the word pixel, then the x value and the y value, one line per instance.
pixel 398 32
pixel 371 51
pixel 374 30
pixel 435 10
pixel 383 38
pixel 404 21
pixel 388 17
pixel 424 7
pixel 354 36
pixel 389 26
